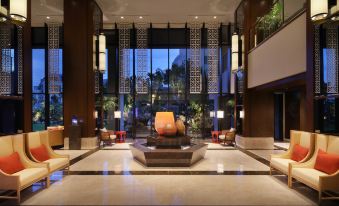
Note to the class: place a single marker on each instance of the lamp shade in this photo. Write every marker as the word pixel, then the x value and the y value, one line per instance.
pixel 102 62
pixel 319 9
pixel 117 114
pixel 235 43
pixel 102 53
pixel 102 43
pixel 235 61
pixel 242 114
pixel 95 67
pixel 220 114
pixel 212 114
pixel 165 124
pixel 18 10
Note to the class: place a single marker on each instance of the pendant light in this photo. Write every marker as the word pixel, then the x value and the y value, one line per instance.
pixel 18 10
pixel 235 52
pixel 102 53
pixel 319 9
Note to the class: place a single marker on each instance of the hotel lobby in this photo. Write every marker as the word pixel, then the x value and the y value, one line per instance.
pixel 180 102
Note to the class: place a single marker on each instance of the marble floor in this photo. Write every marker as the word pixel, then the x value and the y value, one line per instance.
pixel 112 177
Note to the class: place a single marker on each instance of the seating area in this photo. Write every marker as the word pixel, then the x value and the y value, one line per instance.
pixel 169 102
pixel 26 159
pixel 312 159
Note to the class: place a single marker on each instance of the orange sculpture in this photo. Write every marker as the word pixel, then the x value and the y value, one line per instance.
pixel 165 124
pixel 180 127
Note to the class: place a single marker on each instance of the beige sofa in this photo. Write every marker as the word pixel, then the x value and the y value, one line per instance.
pixel 315 179
pixel 281 162
pixel 32 173
pixel 56 161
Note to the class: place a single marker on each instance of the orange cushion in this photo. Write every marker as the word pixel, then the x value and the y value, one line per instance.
pixel 40 153
pixel 326 162
pixel 299 153
pixel 11 164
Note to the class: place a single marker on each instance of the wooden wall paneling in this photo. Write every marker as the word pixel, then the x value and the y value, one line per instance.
pixel 79 98
pixel 309 106
pixel 27 71
pixel 261 114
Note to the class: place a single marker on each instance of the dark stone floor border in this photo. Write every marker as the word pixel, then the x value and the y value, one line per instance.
pixel 109 173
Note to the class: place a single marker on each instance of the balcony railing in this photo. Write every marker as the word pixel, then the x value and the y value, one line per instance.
pixel 281 12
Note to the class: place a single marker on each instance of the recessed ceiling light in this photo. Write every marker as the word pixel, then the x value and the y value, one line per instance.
pixel 47 17
pixel 140 17
pixel 214 17
pixel 121 17
pixel 196 17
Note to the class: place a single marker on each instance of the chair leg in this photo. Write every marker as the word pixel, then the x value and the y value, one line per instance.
pixel 290 181
pixel 270 170
pixel 18 196
pixel 320 197
pixel 48 181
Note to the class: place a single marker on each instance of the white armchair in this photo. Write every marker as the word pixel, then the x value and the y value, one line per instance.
pixel 33 172
pixel 316 179
pixel 281 162
pixel 56 161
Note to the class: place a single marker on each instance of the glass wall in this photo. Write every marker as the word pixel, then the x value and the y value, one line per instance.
pixel 168 86
pixel 47 108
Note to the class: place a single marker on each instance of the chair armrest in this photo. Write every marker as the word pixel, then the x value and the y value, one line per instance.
pixel 9 182
pixel 285 155
pixel 308 164
pixel 53 154
pixel 329 182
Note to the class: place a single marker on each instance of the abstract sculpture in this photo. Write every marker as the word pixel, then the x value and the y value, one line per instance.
pixel 165 124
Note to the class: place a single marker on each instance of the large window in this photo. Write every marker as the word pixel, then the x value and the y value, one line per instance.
pixel 168 86
pixel 47 109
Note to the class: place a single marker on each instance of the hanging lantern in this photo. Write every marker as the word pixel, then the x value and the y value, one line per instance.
pixel 335 10
pixel 95 39
pixel 235 52
pixel 319 9
pixel 18 10
pixel 102 53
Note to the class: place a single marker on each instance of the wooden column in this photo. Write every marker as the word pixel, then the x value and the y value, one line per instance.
pixel 79 97
pixel 252 10
pixel 27 70
pixel 309 124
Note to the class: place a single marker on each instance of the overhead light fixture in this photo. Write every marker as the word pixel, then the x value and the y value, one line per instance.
pixel 214 17
pixel 212 114
pixel 122 17
pixel 335 10
pixel 47 17
pixel 140 17
pixel 102 53
pixel 235 52
pixel 196 17
pixel 18 10
pixel 319 9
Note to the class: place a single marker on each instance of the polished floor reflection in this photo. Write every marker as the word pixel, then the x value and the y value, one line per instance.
pixel 112 177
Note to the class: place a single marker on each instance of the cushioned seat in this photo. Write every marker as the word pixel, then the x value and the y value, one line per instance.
pixel 281 164
pixel 31 172
pixel 112 136
pixel 29 175
pixel 282 161
pixel 308 175
pixel 57 163
pixel 316 179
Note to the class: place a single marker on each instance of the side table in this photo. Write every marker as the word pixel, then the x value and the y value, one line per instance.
pixel 215 136
pixel 121 136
